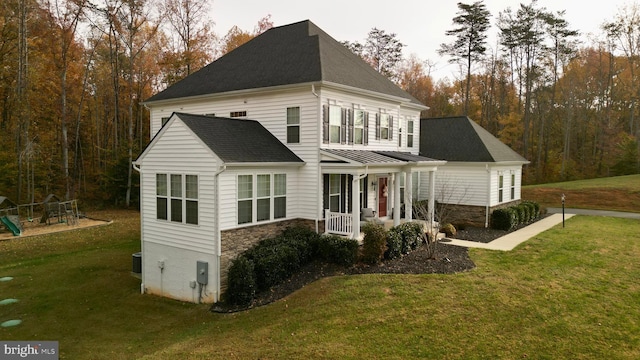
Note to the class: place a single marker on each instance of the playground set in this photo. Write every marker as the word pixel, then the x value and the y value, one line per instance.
pixel 49 209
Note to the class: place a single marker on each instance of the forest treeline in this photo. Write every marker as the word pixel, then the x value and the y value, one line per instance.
pixel 74 73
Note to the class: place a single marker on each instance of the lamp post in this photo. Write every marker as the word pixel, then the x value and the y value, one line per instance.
pixel 562 210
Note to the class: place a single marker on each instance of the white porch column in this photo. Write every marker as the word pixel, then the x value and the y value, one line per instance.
pixel 396 199
pixel 432 195
pixel 355 206
pixel 408 196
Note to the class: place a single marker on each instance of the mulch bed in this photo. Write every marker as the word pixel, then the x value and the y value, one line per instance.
pixel 448 259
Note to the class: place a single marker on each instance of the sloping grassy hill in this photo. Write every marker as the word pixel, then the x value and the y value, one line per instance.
pixel 621 193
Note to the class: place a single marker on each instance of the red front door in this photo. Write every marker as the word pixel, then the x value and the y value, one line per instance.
pixel 383 193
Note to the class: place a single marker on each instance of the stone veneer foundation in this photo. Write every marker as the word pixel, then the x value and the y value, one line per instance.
pixel 236 241
pixel 469 215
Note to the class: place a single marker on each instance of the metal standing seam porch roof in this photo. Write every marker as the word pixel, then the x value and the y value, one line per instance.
pixel 379 158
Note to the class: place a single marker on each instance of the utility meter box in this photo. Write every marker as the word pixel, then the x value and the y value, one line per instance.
pixel 203 272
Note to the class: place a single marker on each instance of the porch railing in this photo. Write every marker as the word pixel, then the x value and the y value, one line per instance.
pixel 338 223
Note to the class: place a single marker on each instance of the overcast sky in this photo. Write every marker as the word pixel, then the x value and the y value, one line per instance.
pixel 419 24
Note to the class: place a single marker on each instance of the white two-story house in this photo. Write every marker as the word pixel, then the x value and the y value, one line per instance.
pixel 289 129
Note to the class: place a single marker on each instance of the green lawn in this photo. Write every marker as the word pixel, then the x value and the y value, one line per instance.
pixel 568 293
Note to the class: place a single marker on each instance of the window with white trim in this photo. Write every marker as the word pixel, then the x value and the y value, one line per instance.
pixel 177 199
pixel 402 187
pixel 334 192
pixel 245 199
pixel 161 196
pixel 500 187
pixel 293 125
pixel 279 196
pixel 269 194
pixel 384 126
pixel 410 133
pixel 335 122
pixel 513 186
pixel 358 126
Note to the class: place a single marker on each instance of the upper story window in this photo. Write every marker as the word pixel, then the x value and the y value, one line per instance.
pixel 359 127
pixel 293 125
pixel 410 133
pixel 335 124
pixel 500 187
pixel 164 120
pixel 235 114
pixel 384 127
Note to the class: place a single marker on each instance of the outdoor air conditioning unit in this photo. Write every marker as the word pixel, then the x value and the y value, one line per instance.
pixel 137 263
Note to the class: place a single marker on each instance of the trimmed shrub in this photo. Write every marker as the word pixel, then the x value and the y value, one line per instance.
pixel 374 243
pixel 523 213
pixel 242 282
pixel 394 244
pixel 338 250
pixel 503 219
pixel 410 237
pixel 274 264
pixel 534 208
pixel 449 230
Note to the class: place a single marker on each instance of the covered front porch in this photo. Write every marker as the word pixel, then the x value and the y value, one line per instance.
pixel 361 186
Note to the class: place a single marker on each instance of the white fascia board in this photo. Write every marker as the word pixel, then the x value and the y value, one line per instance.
pixel 265 164
pixel 235 93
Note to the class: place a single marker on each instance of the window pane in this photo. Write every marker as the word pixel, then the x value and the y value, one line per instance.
pixel 279 184
pixel 280 207
pixel 191 184
pixel 384 133
pixel 161 208
pixel 264 185
pixel 176 210
pixel 334 203
pixel 293 115
pixel 410 140
pixel 293 134
pixel 334 184
pixel 384 120
pixel 358 118
pixel 334 134
pixel 358 132
pixel 245 186
pixel 245 211
pixel 335 115
pixel 176 185
pixel 264 209
pixel 192 212
pixel 410 127
pixel 161 184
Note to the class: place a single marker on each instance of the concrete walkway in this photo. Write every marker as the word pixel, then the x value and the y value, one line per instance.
pixel 620 214
pixel 513 239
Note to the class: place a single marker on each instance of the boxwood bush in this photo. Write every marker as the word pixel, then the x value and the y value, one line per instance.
pixel 242 282
pixel 338 250
pixel 408 234
pixel 374 243
pixel 503 219
pixel 394 244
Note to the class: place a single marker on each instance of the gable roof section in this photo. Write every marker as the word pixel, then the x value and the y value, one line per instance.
pixel 462 139
pixel 291 54
pixel 236 141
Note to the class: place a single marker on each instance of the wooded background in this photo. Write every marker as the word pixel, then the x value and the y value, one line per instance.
pixel 73 74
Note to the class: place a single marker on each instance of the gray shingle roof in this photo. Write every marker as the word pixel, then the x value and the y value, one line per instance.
pixel 462 139
pixel 405 156
pixel 290 54
pixel 239 141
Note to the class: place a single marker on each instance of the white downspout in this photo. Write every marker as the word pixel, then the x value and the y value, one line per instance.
pixel 486 211
pixel 318 171
pixel 218 232
pixel 139 170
